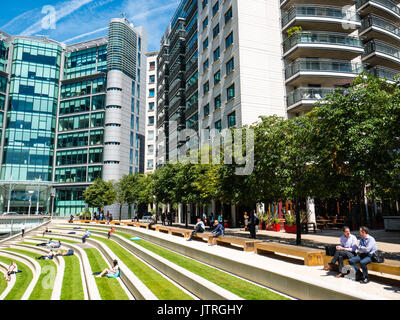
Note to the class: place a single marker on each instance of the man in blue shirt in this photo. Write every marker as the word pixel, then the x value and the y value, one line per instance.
pixel 86 235
pixel 365 249
pixel 218 231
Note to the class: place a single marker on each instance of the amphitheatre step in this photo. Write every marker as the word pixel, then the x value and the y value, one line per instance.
pixel 250 266
pixel 6 287
pixel 89 284
pixel 30 264
pixel 59 261
pixel 195 282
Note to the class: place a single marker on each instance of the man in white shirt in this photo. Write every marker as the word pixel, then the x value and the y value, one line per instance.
pixel 346 250
pixel 199 228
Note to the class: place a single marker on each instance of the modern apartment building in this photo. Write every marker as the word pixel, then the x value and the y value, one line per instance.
pixel 151 119
pixel 70 114
pixel 257 57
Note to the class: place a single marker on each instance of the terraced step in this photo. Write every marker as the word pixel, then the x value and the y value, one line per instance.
pixel 5 287
pixel 26 280
pixel 202 280
pixel 110 289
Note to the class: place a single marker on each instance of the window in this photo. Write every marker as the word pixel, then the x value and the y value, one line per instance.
pixel 204 3
pixel 150 135
pixel 215 8
pixel 138 91
pixel 218 125
pixel 230 92
pixel 206 64
pixel 229 40
pixel 217 102
pixel 228 15
pixel 217 77
pixel 132 122
pixel 151 121
pixel 205 44
pixel 152 65
pixel 138 75
pixel 151 93
pixel 150 149
pixel 206 110
pixel 152 79
pixel 217 54
pixel 133 105
pixel 139 61
pixel 205 23
pixel 151 106
pixel 150 164
pixel 206 87
pixel 216 31
pixel 133 88
pixel 230 65
pixel 137 124
pixel 232 119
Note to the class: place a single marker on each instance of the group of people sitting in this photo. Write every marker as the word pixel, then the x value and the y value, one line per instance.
pixel 50 244
pixel 218 230
pixel 363 253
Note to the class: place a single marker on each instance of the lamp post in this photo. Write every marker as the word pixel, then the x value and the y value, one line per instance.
pixel 30 202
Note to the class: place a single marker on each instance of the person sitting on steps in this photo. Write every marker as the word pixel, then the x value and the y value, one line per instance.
pixel 217 232
pixel 12 269
pixel 111 273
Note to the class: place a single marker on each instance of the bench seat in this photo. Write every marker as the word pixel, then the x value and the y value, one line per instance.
pixel 388 266
pixel 248 244
pixel 312 257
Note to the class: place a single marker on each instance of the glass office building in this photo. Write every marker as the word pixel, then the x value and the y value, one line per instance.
pixel 61 117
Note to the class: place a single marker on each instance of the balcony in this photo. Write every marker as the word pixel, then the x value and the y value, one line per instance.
pixel 378 53
pixel 374 27
pixel 321 18
pixel 285 4
pixel 384 8
pixel 304 99
pixel 384 73
pixel 322 45
pixel 325 72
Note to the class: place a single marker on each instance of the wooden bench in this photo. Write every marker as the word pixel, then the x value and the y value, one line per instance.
pixel 101 222
pixel 144 225
pixel 174 231
pixel 129 224
pixel 247 244
pixel 312 257
pixel 388 266
pixel 117 223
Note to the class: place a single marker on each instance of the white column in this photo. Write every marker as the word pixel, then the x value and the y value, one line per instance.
pixel 310 206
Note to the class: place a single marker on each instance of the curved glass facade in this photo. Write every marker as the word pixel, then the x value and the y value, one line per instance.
pixel 32 110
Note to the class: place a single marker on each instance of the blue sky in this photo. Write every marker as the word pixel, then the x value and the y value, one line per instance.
pixel 80 20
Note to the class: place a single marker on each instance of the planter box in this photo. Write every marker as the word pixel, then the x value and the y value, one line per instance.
pixel 290 229
pixel 275 227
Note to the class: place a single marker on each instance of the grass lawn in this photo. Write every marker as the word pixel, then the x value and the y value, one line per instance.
pixel 109 289
pixel 160 286
pixel 45 284
pixel 72 288
pixel 229 282
pixel 56 239
pixel 23 280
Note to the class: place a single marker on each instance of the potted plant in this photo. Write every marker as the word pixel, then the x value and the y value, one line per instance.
pixel 290 223
pixel 276 226
pixel 264 221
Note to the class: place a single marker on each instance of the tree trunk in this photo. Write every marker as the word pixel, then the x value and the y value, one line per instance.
pixel 120 212
pixel 298 222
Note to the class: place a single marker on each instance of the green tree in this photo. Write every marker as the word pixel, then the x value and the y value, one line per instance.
pixel 100 194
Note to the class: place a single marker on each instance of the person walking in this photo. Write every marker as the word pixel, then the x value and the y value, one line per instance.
pixel 23 230
pixel 198 228
pixel 346 250
pixel 365 250
pixel 163 218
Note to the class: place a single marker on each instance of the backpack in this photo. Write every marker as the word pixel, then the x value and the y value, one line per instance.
pixel 330 250
pixel 377 257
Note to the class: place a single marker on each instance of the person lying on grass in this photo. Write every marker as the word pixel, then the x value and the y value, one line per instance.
pixel 45 244
pixel 46 231
pixel 65 253
pixel 12 269
pixel 111 273
pixel 50 256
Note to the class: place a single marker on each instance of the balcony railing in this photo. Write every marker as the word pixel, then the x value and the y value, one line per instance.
pixel 381 47
pixel 384 3
pixel 384 73
pixel 374 21
pixel 321 38
pixel 307 94
pixel 321 65
pixel 320 12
